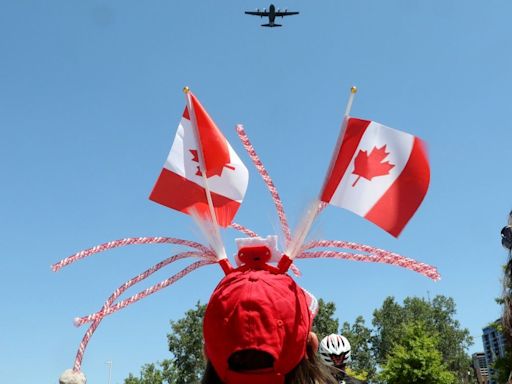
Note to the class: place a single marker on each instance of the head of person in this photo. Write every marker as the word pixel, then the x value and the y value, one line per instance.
pixel 335 350
pixel 257 329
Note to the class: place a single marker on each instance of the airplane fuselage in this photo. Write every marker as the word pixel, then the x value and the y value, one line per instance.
pixel 271 14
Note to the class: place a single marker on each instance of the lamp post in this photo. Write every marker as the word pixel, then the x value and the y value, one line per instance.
pixel 109 363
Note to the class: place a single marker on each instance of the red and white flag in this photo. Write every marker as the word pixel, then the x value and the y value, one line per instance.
pixel 379 173
pixel 181 185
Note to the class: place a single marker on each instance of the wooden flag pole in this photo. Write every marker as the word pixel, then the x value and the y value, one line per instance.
pixel 314 209
pixel 217 240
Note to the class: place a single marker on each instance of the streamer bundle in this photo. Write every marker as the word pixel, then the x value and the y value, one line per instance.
pixel 212 180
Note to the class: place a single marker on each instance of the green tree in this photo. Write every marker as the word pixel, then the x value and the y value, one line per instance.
pixel 506 299
pixel 363 362
pixel 415 358
pixel 502 365
pixel 185 341
pixel 186 345
pixel 502 368
pixel 438 319
pixel 149 374
pixel 325 323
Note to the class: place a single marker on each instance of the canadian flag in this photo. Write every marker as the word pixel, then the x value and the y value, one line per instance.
pixel 379 173
pixel 181 184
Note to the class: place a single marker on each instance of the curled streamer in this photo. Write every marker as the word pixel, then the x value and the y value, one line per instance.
pixel 98 317
pixel 246 231
pixel 144 275
pixel 124 242
pixel 383 257
pixel 268 181
pixel 149 291
pixel 83 345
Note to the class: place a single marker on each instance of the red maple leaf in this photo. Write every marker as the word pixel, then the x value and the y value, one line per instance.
pixel 372 165
pixel 195 158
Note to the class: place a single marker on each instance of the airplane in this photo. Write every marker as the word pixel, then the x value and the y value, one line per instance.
pixel 271 14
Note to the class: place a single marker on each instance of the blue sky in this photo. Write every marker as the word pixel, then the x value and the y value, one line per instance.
pixel 90 97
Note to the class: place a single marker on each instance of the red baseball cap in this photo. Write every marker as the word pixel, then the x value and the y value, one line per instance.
pixel 256 310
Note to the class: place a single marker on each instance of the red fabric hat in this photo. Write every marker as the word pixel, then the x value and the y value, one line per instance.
pixel 262 311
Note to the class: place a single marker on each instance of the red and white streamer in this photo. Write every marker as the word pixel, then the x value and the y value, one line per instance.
pixel 268 181
pixel 375 255
pixel 144 275
pixel 244 230
pixel 109 309
pixel 83 345
pixel 149 291
pixel 128 241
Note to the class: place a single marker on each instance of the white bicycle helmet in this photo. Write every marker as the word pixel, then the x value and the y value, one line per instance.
pixel 334 349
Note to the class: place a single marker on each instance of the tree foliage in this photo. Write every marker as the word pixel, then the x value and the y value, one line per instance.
pixel 187 363
pixel 186 345
pixel 362 360
pixel 415 358
pixel 502 366
pixel 325 323
pixel 441 341
pixel 149 374
pixel 506 301
pixel 437 317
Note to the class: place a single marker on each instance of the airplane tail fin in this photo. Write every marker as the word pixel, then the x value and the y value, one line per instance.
pixel 271 25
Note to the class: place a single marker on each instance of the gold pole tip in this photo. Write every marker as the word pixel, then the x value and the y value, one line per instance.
pixel 186 89
pixel 353 89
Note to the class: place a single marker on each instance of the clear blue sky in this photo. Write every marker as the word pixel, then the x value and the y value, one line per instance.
pixel 90 97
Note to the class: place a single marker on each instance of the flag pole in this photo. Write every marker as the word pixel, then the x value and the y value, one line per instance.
pixel 218 245
pixel 346 115
pixel 307 220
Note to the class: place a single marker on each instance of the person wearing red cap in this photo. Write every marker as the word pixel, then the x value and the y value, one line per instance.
pixel 257 329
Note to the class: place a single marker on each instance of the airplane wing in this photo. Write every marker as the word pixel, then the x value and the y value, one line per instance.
pixel 257 13
pixel 286 13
